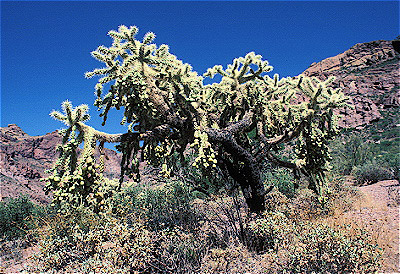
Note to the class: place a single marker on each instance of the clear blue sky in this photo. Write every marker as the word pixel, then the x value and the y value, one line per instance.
pixel 45 46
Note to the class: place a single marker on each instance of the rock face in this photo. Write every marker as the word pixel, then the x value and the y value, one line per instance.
pixel 369 74
pixel 24 159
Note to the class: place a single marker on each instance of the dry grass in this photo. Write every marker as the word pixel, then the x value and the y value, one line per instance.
pixel 374 212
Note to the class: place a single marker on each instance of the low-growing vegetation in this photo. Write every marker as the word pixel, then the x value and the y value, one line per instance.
pixel 16 216
pixel 144 232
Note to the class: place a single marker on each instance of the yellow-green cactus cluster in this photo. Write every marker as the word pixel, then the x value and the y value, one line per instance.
pixel 133 64
pixel 80 187
pixel 162 152
pixel 206 156
pixel 77 181
pixel 312 149
pixel 158 154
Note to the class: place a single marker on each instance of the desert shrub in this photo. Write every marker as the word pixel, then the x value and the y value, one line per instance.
pixel 349 150
pixel 388 155
pixel 180 251
pixel 306 205
pixel 83 242
pixel 338 197
pixel 162 205
pixel 310 247
pixel 16 216
pixel 226 239
pixel 286 246
pixel 341 195
pixel 371 173
pixel 146 228
pixel 224 220
pixel 275 201
pixel 282 179
pixel 270 232
pixel 321 249
pixel 233 259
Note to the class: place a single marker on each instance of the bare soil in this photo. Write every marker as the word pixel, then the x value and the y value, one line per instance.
pixel 381 214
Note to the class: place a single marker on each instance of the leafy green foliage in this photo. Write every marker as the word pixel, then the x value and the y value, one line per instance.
pixel 283 180
pixel 326 250
pixel 84 242
pixel 161 228
pixel 285 246
pixel 16 216
pixel 349 151
pixel 165 205
pixel 152 230
pixel 370 156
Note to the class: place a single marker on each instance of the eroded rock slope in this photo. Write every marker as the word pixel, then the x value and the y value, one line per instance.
pixel 369 74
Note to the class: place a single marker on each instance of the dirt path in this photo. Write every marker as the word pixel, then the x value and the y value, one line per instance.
pixel 379 213
pixel 15 256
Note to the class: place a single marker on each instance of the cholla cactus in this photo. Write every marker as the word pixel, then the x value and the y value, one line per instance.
pixel 78 181
pixel 234 126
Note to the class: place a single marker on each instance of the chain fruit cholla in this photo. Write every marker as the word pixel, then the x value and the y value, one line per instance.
pixel 233 126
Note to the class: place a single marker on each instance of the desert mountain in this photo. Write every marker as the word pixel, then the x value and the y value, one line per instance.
pixel 368 73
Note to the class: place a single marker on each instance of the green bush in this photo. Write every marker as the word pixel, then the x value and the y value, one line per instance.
pixel 286 246
pixel 310 247
pixel 16 216
pixel 270 232
pixel 371 173
pixel 143 233
pixel 349 151
pixel 85 242
pixel 388 155
pixel 282 179
pixel 322 249
pixel 164 205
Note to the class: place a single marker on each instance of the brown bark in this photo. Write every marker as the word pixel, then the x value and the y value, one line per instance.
pixel 249 176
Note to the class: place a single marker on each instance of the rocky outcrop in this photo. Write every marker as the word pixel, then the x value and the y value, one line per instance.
pixel 369 74
pixel 24 160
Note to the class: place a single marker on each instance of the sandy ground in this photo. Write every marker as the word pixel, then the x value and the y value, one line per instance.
pixel 381 214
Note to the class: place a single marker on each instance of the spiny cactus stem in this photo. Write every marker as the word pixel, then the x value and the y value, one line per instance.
pixel 287 136
pixel 100 136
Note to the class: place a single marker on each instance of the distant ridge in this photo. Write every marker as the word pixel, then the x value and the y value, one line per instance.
pixel 369 74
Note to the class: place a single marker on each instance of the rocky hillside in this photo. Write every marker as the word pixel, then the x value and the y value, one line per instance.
pixel 24 159
pixel 369 74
